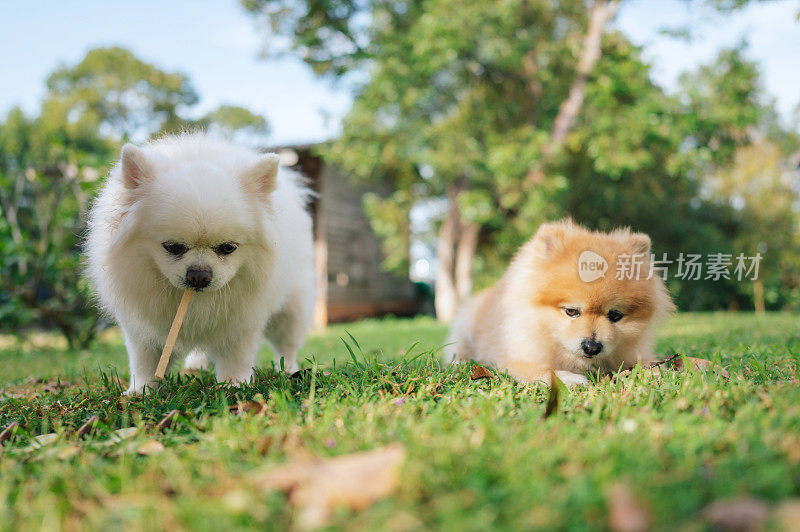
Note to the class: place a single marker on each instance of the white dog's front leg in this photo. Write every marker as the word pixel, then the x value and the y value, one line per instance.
pixel 142 360
pixel 235 359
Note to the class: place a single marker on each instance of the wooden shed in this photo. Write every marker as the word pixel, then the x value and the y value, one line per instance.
pixel 350 281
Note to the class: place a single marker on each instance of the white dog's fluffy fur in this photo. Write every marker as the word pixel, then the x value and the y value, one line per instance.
pixel 201 198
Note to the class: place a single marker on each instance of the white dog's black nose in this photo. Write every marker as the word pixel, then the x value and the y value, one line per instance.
pixel 591 347
pixel 197 277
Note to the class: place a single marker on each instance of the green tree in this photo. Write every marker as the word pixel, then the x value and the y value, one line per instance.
pixel 760 188
pixel 48 168
pixel 449 93
pixel 123 97
pixel 232 120
pixel 511 113
pixel 119 94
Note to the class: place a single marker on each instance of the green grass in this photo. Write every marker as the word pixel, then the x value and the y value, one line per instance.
pixel 479 453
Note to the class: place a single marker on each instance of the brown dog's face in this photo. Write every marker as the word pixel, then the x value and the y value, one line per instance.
pixel 591 316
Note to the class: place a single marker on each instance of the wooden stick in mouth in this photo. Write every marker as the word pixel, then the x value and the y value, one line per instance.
pixel 172 337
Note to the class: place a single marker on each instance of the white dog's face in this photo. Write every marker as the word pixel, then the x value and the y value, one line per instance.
pixel 198 263
pixel 198 222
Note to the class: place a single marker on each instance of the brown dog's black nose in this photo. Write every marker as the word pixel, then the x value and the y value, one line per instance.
pixel 591 347
pixel 198 278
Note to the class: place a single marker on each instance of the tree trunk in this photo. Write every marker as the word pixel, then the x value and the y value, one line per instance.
pixel 465 253
pixel 9 206
pixel 446 297
pixel 758 296
pixel 601 12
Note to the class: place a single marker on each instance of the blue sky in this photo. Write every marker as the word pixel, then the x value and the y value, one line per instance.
pixel 216 44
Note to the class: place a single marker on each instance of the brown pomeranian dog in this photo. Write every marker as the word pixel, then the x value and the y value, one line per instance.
pixel 572 301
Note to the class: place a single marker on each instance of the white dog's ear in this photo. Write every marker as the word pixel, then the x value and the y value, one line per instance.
pixel 261 178
pixel 136 169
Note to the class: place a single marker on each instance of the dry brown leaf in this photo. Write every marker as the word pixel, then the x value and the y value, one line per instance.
pixel 479 372
pixel 168 420
pixel 743 514
pixel 249 407
pixel 150 447
pixel 625 513
pixel 699 363
pixel 33 387
pixel 354 481
pixel 88 427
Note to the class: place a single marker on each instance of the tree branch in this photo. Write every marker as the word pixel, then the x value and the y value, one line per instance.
pixel 602 11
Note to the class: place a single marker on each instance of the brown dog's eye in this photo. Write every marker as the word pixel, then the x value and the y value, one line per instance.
pixel 225 249
pixel 572 312
pixel 175 248
pixel 614 316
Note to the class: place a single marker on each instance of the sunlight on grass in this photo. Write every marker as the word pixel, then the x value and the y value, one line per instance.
pixel 479 453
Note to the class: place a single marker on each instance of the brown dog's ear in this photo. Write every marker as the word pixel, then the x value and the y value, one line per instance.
pixel 549 238
pixel 640 244
pixel 136 169
pixel 261 178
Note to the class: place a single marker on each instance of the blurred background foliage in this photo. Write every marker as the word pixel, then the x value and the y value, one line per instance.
pixel 467 102
pixel 494 115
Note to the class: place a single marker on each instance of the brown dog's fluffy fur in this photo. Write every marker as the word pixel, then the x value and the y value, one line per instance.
pixel 522 322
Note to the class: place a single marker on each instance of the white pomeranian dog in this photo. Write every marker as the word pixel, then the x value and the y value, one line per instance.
pixel 190 211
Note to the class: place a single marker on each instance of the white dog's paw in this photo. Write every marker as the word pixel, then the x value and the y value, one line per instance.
pixel 196 361
pixel 135 391
pixel 236 377
pixel 572 379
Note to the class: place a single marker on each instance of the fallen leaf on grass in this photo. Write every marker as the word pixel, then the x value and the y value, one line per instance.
pixel 150 447
pixel 697 363
pixel 742 514
pixel 676 363
pixel 88 427
pixel 125 433
pixel 355 481
pixel 45 439
pixel 34 387
pixel 625 513
pixel 479 372
pixel 168 420
pixel 9 432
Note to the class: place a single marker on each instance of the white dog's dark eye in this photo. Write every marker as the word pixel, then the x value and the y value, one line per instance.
pixel 572 312
pixel 225 249
pixel 614 316
pixel 175 248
